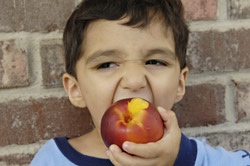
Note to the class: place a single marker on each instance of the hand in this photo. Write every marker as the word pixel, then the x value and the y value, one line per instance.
pixel 161 153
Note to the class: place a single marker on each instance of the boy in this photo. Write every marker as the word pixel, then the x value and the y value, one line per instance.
pixel 118 49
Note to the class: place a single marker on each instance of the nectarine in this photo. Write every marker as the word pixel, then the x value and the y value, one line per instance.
pixel 133 119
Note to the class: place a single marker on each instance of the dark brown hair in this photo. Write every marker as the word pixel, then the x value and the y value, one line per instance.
pixel 139 12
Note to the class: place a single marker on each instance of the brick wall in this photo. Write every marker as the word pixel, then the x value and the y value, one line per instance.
pixel 216 105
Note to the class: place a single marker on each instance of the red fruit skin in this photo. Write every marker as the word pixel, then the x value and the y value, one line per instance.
pixel 114 131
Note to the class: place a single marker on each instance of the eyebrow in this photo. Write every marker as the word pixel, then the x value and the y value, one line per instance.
pixel 103 53
pixel 117 54
pixel 163 51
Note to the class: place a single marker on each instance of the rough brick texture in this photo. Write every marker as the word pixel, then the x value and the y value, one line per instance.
pixel 229 140
pixel 239 9
pixel 24 122
pixel 242 100
pixel 219 51
pixel 202 105
pixel 35 15
pixel 13 65
pixel 52 56
pixel 16 160
pixel 200 9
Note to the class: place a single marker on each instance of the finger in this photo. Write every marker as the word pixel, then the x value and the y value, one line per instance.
pixel 149 150
pixel 119 158
pixel 163 113
pixel 169 118
pixel 111 158
pixel 109 154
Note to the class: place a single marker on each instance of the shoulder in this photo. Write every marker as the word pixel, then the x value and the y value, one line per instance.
pixel 50 155
pixel 217 156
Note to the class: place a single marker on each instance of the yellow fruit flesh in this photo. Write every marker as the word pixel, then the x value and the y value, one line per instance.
pixel 137 108
pixel 136 105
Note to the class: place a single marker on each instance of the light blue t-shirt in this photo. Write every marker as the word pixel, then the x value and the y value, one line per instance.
pixel 193 152
pixel 58 152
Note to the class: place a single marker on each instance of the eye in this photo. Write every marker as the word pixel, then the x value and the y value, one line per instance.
pixel 156 62
pixel 106 65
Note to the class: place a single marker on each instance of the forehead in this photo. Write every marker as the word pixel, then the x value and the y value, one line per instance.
pixel 104 34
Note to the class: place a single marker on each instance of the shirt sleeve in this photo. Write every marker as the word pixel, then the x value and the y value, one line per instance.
pixel 196 152
pixel 217 156
pixel 50 155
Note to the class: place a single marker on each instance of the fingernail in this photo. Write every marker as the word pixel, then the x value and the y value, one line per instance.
pixel 161 109
pixel 125 145
pixel 112 149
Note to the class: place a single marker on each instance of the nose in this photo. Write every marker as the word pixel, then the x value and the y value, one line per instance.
pixel 133 78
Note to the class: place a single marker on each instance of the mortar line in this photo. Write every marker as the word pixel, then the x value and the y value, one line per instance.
pixel 230 99
pixel 227 127
pixel 222 12
pixel 219 25
pixel 21 149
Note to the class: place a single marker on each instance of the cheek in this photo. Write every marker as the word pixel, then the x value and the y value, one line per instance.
pixel 98 94
pixel 97 117
pixel 97 105
pixel 165 92
pixel 97 100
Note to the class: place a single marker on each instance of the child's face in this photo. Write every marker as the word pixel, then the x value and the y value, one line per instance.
pixel 123 62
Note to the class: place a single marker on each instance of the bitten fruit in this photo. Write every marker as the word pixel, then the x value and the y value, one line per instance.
pixel 134 119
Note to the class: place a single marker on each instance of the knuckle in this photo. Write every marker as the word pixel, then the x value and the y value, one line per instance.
pixel 172 113
pixel 116 157
pixel 153 150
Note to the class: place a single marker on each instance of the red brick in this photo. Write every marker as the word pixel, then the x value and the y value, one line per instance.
pixel 16 160
pixel 35 15
pixel 219 51
pixel 4 137
pixel 35 119
pixel 52 56
pixel 13 65
pixel 242 100
pixel 202 105
pixel 229 140
pixel 239 9
pixel 200 9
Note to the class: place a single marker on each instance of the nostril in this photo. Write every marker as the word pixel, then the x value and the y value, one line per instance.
pixel 134 83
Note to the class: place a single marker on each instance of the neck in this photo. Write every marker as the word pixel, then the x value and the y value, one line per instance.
pixel 90 144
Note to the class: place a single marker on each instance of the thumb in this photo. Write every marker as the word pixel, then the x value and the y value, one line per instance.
pixel 169 118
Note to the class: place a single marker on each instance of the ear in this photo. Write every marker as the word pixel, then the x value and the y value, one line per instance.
pixel 73 90
pixel 182 84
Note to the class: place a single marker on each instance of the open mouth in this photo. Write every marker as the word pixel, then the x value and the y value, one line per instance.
pixel 127 97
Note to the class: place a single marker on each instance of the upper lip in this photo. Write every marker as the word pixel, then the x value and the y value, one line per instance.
pixel 127 97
